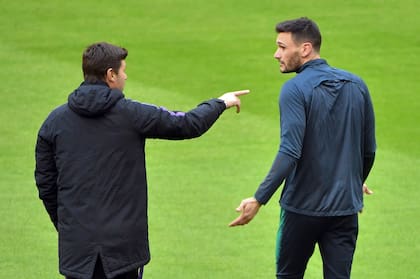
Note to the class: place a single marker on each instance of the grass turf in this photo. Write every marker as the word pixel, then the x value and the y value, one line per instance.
pixel 180 53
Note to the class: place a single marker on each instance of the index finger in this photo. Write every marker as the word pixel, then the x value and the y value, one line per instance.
pixel 240 92
pixel 237 222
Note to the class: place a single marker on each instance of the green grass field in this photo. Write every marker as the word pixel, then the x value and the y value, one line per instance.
pixel 180 53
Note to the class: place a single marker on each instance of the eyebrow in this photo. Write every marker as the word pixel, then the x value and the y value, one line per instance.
pixel 279 43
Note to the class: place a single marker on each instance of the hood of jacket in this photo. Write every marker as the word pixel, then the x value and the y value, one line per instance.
pixel 93 100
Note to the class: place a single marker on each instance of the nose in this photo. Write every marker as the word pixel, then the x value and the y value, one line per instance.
pixel 277 54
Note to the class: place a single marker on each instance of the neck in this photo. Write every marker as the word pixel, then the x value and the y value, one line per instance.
pixel 310 57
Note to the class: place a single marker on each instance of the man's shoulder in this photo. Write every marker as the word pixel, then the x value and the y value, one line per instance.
pixel 51 120
pixel 291 86
pixel 298 83
pixel 345 74
pixel 63 108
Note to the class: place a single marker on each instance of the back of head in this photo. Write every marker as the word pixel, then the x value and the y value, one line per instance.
pixel 303 30
pixel 98 58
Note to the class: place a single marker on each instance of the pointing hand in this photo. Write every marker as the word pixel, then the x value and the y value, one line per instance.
pixel 232 99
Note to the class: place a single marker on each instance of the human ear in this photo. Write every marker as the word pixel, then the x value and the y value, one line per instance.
pixel 306 49
pixel 110 75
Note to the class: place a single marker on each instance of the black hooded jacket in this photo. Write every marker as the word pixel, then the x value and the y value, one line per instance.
pixel 91 175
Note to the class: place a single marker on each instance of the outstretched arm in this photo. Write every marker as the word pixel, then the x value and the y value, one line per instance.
pixel 157 122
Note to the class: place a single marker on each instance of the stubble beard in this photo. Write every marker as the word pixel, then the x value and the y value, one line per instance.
pixel 292 65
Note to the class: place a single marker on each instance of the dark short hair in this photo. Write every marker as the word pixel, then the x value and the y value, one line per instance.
pixel 99 57
pixel 303 30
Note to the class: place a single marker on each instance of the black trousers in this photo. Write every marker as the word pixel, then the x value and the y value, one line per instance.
pixel 98 273
pixel 296 239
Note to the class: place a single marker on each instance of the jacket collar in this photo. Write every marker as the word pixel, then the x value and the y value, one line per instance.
pixel 312 63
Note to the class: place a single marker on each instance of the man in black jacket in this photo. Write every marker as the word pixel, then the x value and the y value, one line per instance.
pixel 90 166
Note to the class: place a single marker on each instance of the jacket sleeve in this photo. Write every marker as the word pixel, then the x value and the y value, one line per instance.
pixel 369 134
pixel 282 166
pixel 292 120
pixel 367 165
pixel 292 126
pixel 46 176
pixel 157 122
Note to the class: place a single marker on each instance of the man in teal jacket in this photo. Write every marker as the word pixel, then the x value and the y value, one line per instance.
pixel 326 152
